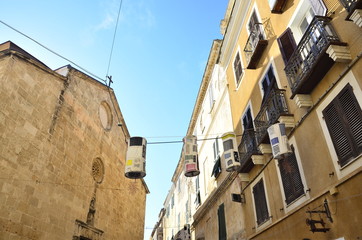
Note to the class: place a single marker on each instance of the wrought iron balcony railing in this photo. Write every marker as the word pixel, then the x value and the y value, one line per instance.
pixel 273 107
pixel 351 5
pixel 247 148
pixel 255 46
pixel 309 62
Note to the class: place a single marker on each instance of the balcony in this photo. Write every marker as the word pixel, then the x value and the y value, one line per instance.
pixel 351 6
pixel 255 46
pixel 309 63
pixel 273 107
pixel 247 148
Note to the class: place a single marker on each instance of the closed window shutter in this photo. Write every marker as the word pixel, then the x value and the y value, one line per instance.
pixel 292 181
pixel 222 223
pixel 261 207
pixel 343 117
pixel 319 8
pixel 287 44
pixel 353 116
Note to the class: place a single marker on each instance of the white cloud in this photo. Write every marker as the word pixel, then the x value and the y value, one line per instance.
pixel 107 22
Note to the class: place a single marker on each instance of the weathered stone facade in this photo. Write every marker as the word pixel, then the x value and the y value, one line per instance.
pixel 62 156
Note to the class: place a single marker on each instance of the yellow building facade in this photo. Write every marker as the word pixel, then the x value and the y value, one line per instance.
pixel 297 63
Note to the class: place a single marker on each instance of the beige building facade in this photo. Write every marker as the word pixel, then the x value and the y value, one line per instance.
pixel 297 63
pixel 62 155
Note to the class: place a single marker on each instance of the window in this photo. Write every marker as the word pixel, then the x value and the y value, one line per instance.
pixel 287 44
pixel 306 10
pixel 215 147
pixel 222 222
pixel 255 27
pixel 202 127
pixel 211 97
pixel 172 201
pixel 198 195
pixel 248 120
pixel 187 211
pixel 217 163
pixel 268 83
pixel 261 207
pixel 307 19
pixel 343 117
pixel 238 70
pixel 206 176
pixel 291 178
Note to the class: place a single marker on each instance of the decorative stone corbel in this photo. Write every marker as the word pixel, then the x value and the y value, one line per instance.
pixel 258 159
pixel 288 121
pixel 303 100
pixel 356 17
pixel 265 148
pixel 339 53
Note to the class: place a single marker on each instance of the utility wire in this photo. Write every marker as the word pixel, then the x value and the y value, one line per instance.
pixel 180 141
pixel 57 54
pixel 114 37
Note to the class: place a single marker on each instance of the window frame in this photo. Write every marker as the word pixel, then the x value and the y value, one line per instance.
pixel 298 201
pixel 271 64
pixel 258 18
pixel 345 126
pixel 248 108
pixel 269 220
pixel 357 91
pixel 238 79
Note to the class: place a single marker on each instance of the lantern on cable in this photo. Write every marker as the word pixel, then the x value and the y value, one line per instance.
pixel 190 156
pixel 136 158
pixel 231 154
pixel 279 141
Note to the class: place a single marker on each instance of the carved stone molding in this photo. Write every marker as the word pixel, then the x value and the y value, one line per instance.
pixel 339 53
pixel 288 121
pixel 356 17
pixel 258 159
pixel 83 230
pixel 265 148
pixel 303 100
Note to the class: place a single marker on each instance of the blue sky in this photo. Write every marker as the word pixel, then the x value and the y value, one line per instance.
pixel 159 57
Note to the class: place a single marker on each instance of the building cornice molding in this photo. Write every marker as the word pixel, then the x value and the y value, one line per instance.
pixel 233 29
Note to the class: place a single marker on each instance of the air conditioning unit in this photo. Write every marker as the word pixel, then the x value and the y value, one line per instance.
pixel 231 154
pixel 190 156
pixel 279 141
pixel 136 158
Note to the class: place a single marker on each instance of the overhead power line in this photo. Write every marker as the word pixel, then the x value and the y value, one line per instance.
pixel 57 54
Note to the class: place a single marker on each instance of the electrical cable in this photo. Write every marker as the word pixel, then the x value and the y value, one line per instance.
pixel 114 37
pixel 55 53
pixel 180 141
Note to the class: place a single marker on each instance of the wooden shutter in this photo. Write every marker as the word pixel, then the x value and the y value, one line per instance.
pixel 352 114
pixel 319 8
pixel 222 223
pixel 287 44
pixel 291 179
pixel 343 117
pixel 261 207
